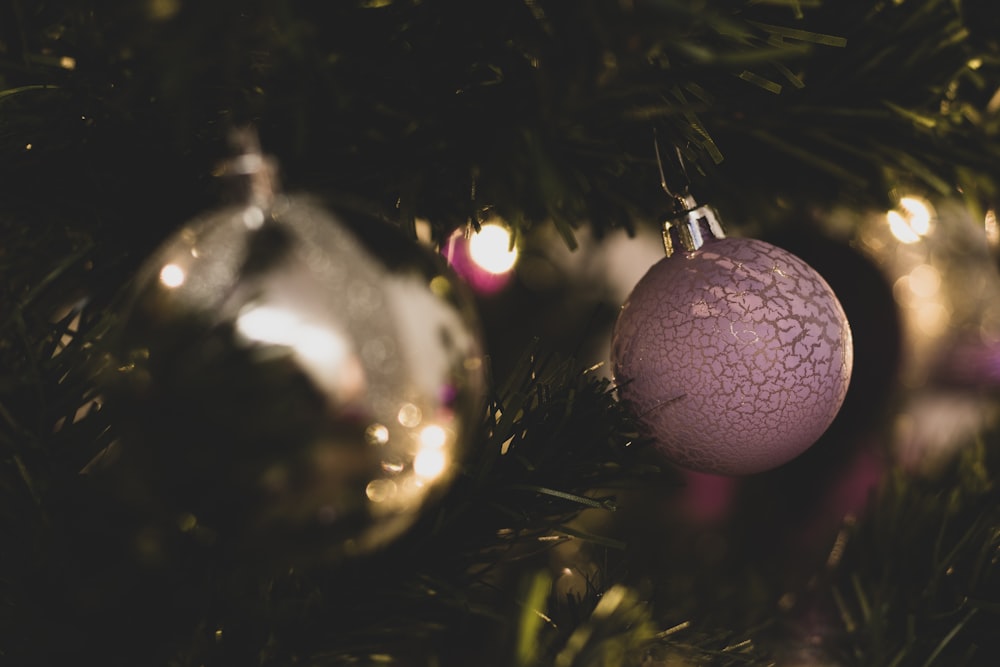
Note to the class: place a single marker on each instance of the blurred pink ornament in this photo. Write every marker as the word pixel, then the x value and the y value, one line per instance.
pixel 707 498
pixel 734 356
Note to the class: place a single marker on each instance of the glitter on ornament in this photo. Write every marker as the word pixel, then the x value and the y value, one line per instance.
pixel 734 355
pixel 485 259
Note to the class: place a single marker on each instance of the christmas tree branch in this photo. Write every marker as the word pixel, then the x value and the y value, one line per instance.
pixel 112 116
pixel 539 111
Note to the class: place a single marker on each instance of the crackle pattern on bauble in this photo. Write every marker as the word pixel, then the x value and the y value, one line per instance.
pixel 735 358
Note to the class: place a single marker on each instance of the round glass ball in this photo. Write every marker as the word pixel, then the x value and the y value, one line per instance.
pixel 302 383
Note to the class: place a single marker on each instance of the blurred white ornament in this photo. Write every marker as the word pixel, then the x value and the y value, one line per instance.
pixel 302 383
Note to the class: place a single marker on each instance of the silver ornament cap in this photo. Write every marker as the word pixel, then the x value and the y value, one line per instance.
pixel 689 229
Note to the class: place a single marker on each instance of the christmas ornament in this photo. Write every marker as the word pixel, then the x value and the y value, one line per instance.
pixel 295 380
pixel 733 354
pixel 947 291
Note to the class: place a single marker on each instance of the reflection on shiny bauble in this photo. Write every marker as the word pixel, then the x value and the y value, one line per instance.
pixel 294 382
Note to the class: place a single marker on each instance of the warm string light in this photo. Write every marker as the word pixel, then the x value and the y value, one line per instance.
pixel 485 259
pixel 172 276
pixel 490 248
pixel 911 220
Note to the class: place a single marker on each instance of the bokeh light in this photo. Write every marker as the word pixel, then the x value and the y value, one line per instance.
pixel 911 220
pixel 484 259
pixel 172 276
pixel 490 248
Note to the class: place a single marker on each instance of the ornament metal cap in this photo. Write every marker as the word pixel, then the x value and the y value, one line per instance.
pixel 692 223
pixel 689 229
pixel 255 172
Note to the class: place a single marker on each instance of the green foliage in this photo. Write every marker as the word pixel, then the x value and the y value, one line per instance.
pixel 113 116
pixel 542 111
pixel 918 582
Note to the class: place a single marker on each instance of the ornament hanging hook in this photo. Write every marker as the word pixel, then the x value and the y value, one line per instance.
pixel 682 202
pixel 690 223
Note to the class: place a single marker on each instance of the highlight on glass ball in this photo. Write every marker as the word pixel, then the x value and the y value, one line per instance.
pixel 293 385
pixel 485 259
pixel 734 356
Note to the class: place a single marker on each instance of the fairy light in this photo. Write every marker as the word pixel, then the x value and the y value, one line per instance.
pixel 483 259
pixel 430 463
pixel 377 434
pixel 432 458
pixel 490 248
pixel 433 437
pixel 911 221
pixel 172 276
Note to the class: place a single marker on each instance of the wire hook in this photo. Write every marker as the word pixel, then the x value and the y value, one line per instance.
pixel 691 224
pixel 682 202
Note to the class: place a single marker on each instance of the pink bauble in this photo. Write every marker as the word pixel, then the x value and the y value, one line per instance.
pixel 734 358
